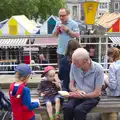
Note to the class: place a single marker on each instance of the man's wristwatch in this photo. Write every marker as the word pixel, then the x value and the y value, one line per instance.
pixel 67 31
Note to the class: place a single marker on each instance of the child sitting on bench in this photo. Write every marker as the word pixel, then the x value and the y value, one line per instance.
pixel 48 89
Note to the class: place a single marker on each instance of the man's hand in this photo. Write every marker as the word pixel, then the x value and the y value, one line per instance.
pixel 77 94
pixel 58 30
pixel 64 28
pixel 81 94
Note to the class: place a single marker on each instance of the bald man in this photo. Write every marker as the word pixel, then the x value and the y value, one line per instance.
pixel 65 30
pixel 86 80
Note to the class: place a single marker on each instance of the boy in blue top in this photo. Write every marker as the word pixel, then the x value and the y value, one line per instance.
pixel 20 95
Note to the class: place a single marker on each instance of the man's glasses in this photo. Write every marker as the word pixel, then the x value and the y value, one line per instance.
pixel 62 15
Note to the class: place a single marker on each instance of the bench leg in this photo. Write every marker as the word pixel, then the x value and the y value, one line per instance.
pixel 109 116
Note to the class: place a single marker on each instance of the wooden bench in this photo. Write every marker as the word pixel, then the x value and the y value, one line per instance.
pixel 106 105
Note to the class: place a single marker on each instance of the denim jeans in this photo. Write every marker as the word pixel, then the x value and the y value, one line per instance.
pixel 77 109
pixel 59 57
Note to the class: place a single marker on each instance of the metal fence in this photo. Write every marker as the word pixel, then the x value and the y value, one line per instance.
pixel 28 51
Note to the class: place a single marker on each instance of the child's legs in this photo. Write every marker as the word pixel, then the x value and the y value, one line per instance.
pixel 49 108
pixel 57 105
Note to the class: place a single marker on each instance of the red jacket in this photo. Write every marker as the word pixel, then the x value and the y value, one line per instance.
pixel 20 112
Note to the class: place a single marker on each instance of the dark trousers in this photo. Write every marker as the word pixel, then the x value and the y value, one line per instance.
pixel 59 57
pixel 78 108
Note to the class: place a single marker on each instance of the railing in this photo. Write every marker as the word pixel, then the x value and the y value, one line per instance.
pixel 98 44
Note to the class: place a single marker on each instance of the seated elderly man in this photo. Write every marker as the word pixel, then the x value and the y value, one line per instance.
pixel 86 80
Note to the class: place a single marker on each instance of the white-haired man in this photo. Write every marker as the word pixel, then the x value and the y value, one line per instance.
pixel 86 80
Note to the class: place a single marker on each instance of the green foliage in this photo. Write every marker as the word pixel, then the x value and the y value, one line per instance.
pixel 50 7
pixel 30 8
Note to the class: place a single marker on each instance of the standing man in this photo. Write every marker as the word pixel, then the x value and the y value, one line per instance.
pixel 86 80
pixel 43 60
pixel 65 30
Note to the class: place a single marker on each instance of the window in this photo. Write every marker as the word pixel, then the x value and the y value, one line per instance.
pixel 74 11
pixel 103 5
pixel 100 14
pixel 116 5
pixel 82 17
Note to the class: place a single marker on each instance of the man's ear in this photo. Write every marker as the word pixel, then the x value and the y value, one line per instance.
pixel 88 60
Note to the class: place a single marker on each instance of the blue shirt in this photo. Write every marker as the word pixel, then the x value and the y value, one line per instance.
pixel 90 80
pixel 63 37
pixel 114 79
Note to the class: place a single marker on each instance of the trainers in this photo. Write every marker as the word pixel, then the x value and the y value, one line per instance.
pixel 57 117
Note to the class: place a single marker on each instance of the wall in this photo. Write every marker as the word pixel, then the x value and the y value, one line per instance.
pixel 113 6
pixel 75 9
pixel 103 7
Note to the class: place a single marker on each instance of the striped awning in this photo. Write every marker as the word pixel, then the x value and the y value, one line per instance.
pixel 108 19
pixel 115 40
pixel 13 43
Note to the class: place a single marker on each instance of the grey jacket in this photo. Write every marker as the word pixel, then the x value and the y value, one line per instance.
pixel 114 79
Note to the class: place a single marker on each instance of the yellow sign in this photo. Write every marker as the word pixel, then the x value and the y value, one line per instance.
pixel 90 8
